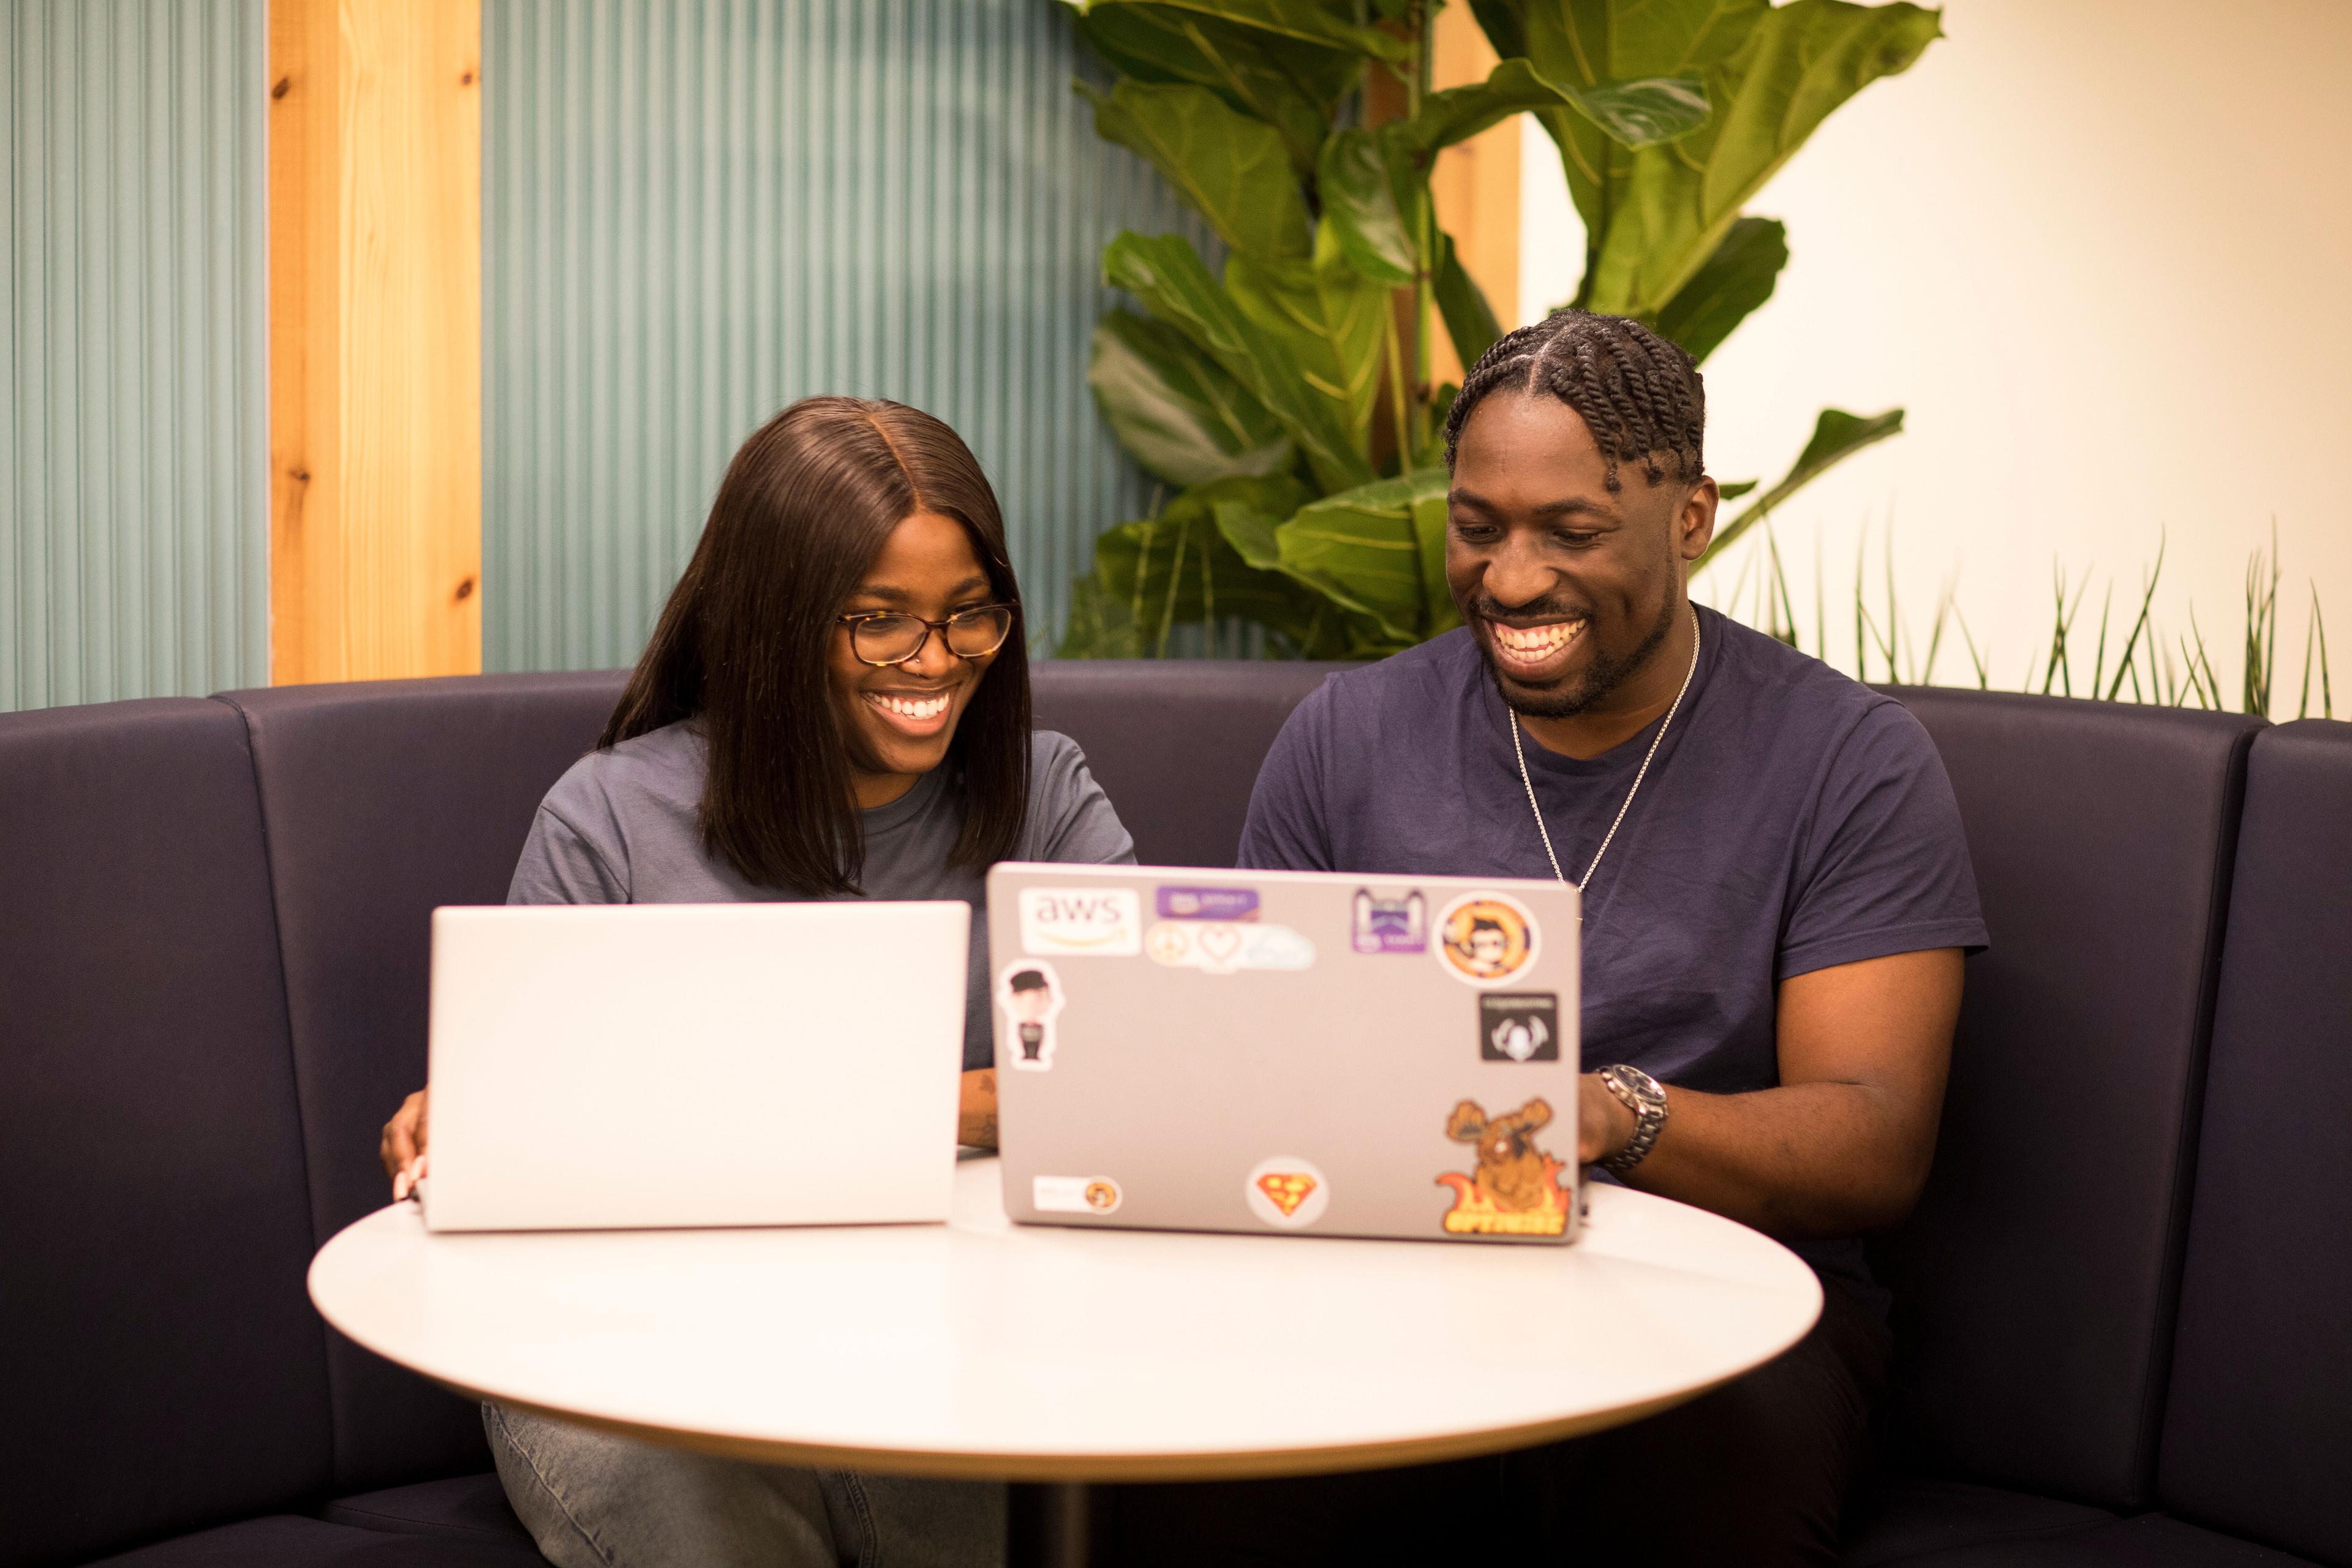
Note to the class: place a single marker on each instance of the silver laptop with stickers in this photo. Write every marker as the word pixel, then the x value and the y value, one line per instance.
pixel 1286 1052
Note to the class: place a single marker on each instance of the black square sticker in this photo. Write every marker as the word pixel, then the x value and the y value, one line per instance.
pixel 1519 1028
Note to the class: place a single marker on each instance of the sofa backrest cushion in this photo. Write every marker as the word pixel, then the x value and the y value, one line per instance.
pixel 1175 743
pixel 2258 1429
pixel 2035 1284
pixel 163 1369
pixel 383 799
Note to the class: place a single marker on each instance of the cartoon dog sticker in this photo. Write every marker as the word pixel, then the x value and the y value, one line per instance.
pixel 1516 1189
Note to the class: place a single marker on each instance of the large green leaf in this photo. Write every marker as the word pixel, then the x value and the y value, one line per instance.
pixel 1168 278
pixel 1635 112
pixel 1837 435
pixel 1799 62
pixel 1721 295
pixel 1469 318
pixel 1180 569
pixel 1292 86
pixel 1373 203
pixel 1587 45
pixel 1308 21
pixel 1323 321
pixel 1232 170
pixel 1379 550
pixel 1175 409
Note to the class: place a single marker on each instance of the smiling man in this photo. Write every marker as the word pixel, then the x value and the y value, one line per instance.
pixel 1777 899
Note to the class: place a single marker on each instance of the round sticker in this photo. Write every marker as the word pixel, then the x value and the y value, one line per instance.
pixel 1486 939
pixel 1288 1191
pixel 1102 1194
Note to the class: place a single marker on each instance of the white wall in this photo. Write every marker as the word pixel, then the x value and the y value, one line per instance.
pixel 2100 250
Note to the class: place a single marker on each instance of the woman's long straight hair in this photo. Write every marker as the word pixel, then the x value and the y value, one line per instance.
pixel 742 645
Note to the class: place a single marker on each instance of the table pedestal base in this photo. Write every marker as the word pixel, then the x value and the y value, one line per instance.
pixel 1049 1524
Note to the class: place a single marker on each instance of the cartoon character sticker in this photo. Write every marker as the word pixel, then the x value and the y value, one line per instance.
pixel 1516 1189
pixel 1390 923
pixel 1287 1192
pixel 1518 1026
pixel 1484 939
pixel 1031 995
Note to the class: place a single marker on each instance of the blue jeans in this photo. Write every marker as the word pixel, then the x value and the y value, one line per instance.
pixel 594 1501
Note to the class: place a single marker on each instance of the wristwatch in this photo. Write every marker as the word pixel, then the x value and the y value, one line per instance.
pixel 1643 1096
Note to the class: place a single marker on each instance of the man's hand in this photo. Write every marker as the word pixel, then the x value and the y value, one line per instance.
pixel 402 1149
pixel 976 1110
pixel 1604 1123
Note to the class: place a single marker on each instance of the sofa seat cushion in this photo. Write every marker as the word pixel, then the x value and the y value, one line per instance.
pixel 1917 1520
pixel 285 1541
pixel 2151 1541
pixel 461 1507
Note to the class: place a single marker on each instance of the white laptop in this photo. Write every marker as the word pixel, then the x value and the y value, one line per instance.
pixel 658 1065
pixel 1286 1052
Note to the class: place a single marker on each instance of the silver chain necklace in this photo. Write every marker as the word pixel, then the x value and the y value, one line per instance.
pixel 1519 751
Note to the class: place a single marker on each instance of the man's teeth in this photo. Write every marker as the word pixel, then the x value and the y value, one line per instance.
pixel 1536 642
pixel 912 707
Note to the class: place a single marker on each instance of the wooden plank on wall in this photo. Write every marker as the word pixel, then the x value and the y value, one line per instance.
pixel 374 338
pixel 1475 186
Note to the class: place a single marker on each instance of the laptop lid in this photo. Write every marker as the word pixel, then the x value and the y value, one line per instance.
pixel 1286 1051
pixel 655 1065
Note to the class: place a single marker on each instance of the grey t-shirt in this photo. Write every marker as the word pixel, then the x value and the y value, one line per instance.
pixel 621 827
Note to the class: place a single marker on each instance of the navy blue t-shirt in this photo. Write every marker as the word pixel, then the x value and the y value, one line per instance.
pixel 1793 819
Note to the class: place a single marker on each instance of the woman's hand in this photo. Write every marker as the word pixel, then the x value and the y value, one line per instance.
pixel 975 1109
pixel 403 1146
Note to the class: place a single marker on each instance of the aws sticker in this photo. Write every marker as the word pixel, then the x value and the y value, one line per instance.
pixel 1222 947
pixel 1074 1194
pixel 1288 1191
pixel 1389 922
pixel 1484 939
pixel 1104 922
pixel 1030 993
pixel 1516 1190
pixel 1518 1026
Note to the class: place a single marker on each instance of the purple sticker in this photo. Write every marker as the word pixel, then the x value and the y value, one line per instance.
pixel 1208 903
pixel 1390 923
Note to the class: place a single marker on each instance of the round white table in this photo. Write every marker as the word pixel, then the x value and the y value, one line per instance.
pixel 1039 1353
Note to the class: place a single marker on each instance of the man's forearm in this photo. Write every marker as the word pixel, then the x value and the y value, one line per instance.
pixel 1806 1159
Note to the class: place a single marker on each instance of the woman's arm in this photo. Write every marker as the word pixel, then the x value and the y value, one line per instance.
pixel 976 1110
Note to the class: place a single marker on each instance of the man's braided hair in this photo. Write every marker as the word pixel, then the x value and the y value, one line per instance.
pixel 1639 395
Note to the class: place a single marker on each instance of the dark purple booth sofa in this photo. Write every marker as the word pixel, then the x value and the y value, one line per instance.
pixel 2124 1305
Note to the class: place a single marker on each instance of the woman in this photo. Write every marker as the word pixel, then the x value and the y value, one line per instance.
pixel 834 705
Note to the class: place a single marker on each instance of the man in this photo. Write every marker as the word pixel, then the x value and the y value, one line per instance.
pixel 1776 901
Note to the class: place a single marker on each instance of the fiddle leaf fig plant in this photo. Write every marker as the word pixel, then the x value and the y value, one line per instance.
pixel 1282 389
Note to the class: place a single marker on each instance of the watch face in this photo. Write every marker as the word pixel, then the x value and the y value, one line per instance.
pixel 1638 1084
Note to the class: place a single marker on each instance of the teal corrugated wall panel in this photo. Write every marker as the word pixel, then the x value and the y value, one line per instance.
pixel 695 211
pixel 133 451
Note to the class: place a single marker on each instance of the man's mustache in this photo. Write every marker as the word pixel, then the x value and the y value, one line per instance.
pixel 1542 610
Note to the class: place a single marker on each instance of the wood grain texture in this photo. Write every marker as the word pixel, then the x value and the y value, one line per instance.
pixel 1475 186
pixel 374 338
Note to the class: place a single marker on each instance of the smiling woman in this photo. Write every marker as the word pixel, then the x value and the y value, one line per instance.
pixel 834 705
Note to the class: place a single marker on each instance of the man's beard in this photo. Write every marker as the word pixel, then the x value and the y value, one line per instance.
pixel 1605 676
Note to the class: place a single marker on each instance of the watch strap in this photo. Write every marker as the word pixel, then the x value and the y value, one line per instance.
pixel 1641 1095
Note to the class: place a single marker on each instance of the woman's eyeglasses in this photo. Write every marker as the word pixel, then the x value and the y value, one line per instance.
pixel 890 639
